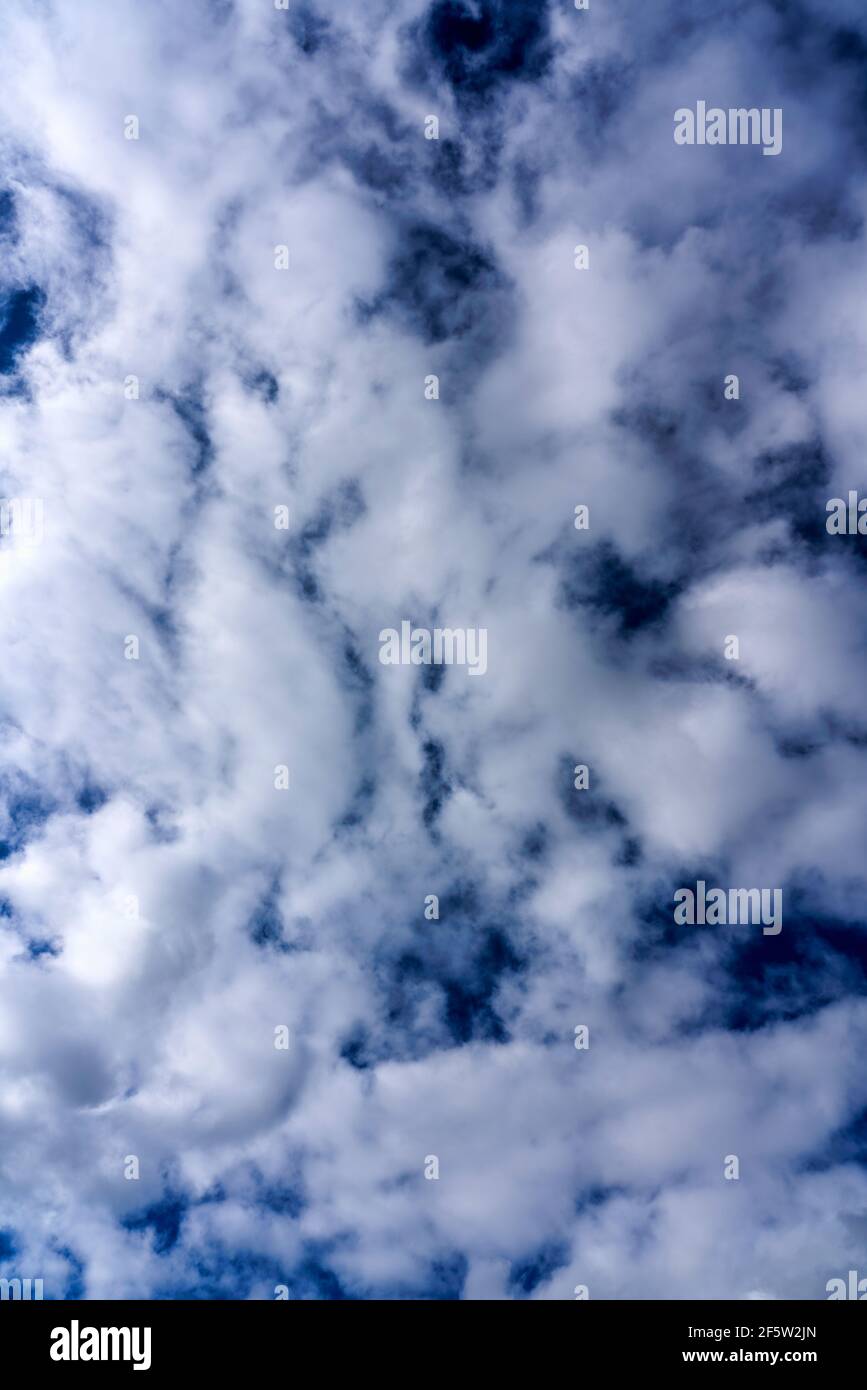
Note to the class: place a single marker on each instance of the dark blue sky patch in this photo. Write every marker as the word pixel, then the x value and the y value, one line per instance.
pixel 465 956
pixel 432 678
pixel 601 580
pixel 386 120
pixel 24 809
pixel 477 45
pixel 654 423
pixel 658 933
pixel 596 1196
pixel 309 29
pixel 313 1278
pixel 189 406
pixel 375 146
pixel 160 615
pixel 283 1199
pixel 848 51
pixel 360 805
pixel 599 91
pixel 265 925
pixel 789 372
pixel 446 1279
pixel 377 166
pixel 845 730
pixel 163 1219
pixel 461 902
pixel 535 843
pixel 214 1195
pixel 528 1273
pixel 792 483
pixel 73 1286
pixel 402 976
pixel 851 549
pixel 822 206
pixel 356 1048
pixel 526 183
pixel 357 678
pixel 312 535
pixel 451 173
pixel 222 1274
pixel 695 669
pixel 447 168
pixel 470 1011
pixel 20 315
pixel 340 510
pixel 808 966
pixel 378 146
pixel 264 384
pixel 9 1246
pixel 630 852
pixel 848 46
pixel 90 797
pixel 434 783
pixel 591 809
pixel 40 946
pixel 470 1015
pixel 521 892
pixel 354 669
pixel 797 747
pixel 8 216
pixel 848 1144
pixel 444 286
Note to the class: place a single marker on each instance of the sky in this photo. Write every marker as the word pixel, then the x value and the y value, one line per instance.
pixel 243 1054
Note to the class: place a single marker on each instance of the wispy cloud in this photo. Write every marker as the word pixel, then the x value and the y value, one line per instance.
pixel 282 923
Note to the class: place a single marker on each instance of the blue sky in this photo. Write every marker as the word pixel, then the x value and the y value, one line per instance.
pixel 164 907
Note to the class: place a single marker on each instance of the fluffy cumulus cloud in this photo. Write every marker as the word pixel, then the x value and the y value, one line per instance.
pixel 232 263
